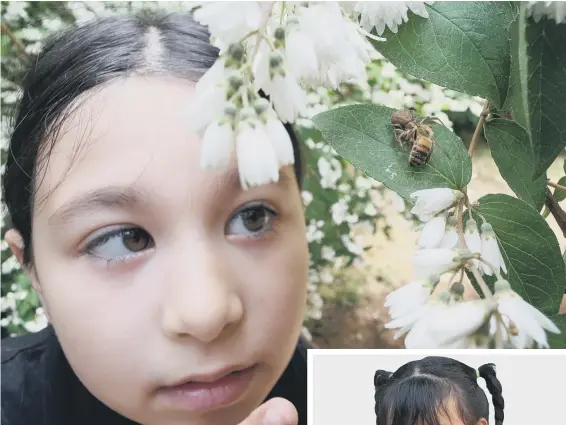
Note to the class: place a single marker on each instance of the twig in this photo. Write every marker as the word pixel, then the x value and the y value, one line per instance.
pixel 475 137
pixel 558 213
pixel 556 185
pixel 21 46
pixel 460 213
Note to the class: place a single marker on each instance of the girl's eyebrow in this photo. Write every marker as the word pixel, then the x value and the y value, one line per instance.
pixel 116 197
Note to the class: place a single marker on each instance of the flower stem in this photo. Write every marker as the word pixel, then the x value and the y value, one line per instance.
pixel 498 333
pixel 475 137
pixel 479 279
pixel 460 212
pixel 282 13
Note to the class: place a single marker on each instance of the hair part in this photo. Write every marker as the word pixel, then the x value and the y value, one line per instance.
pixel 75 62
pixel 420 392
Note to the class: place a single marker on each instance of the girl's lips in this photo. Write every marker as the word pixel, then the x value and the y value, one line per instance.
pixel 201 396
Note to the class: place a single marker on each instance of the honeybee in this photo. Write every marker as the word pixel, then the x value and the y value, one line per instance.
pixel 410 130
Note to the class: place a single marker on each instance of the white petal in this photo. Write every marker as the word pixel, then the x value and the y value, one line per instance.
pixel 288 97
pixel 519 313
pixel 217 145
pixel 257 162
pixel 432 233
pixel 407 298
pixel 418 8
pixel 281 141
pixel 211 78
pixel 301 54
pixel 490 252
pixel 428 262
pixel 205 108
pixel 450 239
pixel 261 67
pixel 429 202
pixel 459 320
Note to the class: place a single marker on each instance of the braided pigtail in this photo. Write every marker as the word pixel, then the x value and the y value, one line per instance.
pixel 487 372
pixel 381 379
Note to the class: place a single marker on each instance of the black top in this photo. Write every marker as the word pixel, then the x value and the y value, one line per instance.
pixel 40 388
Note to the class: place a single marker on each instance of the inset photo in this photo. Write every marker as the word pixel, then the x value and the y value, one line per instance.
pixel 399 387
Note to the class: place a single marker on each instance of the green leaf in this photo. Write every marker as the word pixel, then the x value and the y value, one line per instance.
pixel 517 97
pixel 463 46
pixel 511 150
pixel 363 135
pixel 560 194
pixel 529 248
pixel 547 91
pixel 558 340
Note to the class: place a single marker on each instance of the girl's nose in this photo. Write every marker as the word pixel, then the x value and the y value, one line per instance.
pixel 200 300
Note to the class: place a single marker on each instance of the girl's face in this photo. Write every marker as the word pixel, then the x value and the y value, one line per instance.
pixel 155 272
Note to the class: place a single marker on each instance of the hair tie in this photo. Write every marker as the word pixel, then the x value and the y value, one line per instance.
pixel 477 373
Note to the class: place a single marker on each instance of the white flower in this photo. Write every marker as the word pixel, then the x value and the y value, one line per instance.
pixel 551 9
pixel 300 53
pixel 370 210
pixel 450 239
pixel 307 197
pixel 210 100
pixel 509 333
pixel 15 10
pixel 473 239
pixel 446 325
pixel 217 145
pixel 409 297
pixel 490 250
pixel 337 44
pixel 330 172
pixel 327 253
pixel 229 21
pixel 430 262
pixel 257 159
pixel 433 232
pixel 526 318
pixel 314 234
pixel 429 202
pixel 288 97
pixel 382 14
pixel 281 141
pixel 339 211
pixel 354 246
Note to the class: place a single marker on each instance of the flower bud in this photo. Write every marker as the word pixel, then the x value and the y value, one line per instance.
pixel 275 60
pixel 230 110
pixel 235 80
pixel 457 288
pixel 261 105
pixel 279 34
pixel 248 114
pixel 236 52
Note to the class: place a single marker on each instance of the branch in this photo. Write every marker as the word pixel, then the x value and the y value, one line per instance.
pixel 475 137
pixel 21 46
pixel 555 209
pixel 556 185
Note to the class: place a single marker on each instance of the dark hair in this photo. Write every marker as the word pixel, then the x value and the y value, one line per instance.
pixel 80 59
pixel 419 390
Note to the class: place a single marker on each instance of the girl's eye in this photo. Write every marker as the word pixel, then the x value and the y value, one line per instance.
pixel 120 244
pixel 252 221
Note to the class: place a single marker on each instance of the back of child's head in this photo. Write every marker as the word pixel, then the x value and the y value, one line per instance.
pixel 422 391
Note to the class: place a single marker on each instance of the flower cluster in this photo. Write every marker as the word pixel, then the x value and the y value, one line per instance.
pixel 443 319
pixel 278 49
pixel 555 10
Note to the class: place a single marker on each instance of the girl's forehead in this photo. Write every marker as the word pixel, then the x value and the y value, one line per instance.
pixel 132 136
pixel 130 133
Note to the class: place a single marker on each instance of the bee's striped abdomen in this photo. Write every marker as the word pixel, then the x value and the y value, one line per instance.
pixel 420 152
